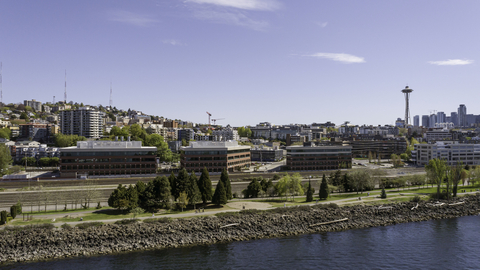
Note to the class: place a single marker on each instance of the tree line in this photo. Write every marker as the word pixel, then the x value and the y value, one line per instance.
pixel 174 191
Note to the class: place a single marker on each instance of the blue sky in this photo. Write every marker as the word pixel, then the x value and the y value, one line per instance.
pixel 247 61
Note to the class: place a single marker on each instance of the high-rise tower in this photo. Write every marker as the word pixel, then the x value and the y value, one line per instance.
pixel 407 92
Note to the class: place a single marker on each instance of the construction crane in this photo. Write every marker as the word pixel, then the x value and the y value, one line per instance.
pixel 215 120
pixel 209 114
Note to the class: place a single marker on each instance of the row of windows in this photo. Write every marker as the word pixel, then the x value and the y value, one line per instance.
pixel 318 150
pixel 107 153
pixel 107 167
pixel 105 160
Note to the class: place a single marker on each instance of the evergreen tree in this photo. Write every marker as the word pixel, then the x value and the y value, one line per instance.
pixel 13 211
pixel 323 194
pixel 309 192
pixel 131 196
pixel 181 183
pixel 193 193
pixel 253 188
pixel 117 198
pixel 157 194
pixel 346 182
pixel 226 183
pixel 205 186
pixel 3 217
pixel 220 195
pixel 383 195
pixel 172 179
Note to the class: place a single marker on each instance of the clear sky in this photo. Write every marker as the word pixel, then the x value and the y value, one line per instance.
pixel 247 61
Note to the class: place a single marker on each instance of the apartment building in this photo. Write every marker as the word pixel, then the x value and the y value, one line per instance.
pixel 85 122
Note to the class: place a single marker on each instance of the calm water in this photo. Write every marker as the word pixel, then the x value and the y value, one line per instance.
pixel 441 244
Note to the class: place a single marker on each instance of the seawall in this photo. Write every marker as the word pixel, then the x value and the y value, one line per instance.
pixel 43 244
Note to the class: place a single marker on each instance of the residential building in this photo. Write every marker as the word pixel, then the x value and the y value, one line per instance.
pixel 35 132
pixel 36 105
pixel 215 156
pixel 186 134
pixel 311 157
pixel 226 134
pixel 82 122
pixel 452 152
pixel 107 158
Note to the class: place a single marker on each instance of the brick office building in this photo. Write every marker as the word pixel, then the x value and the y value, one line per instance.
pixel 103 158
pixel 319 157
pixel 215 156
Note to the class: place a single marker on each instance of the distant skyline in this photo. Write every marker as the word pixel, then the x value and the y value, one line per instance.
pixel 247 61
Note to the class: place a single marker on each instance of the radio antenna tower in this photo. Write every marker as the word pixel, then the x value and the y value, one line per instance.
pixel 111 94
pixel 407 92
pixel 53 100
pixel 65 94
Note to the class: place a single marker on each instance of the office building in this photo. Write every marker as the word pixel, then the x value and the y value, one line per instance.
pixel 104 158
pixel 316 158
pixel 215 156
pixel 416 121
pixel 462 115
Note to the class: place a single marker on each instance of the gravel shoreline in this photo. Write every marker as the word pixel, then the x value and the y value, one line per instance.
pixel 43 244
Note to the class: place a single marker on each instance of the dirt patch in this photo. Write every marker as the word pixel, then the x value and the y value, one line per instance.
pixel 248 205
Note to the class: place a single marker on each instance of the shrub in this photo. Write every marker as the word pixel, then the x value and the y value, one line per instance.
pixel 226 214
pixel 415 198
pixel 66 226
pixel 46 226
pixel 89 224
pixel 13 211
pixel 158 220
pixel 326 206
pixel 250 212
pixel 442 196
pixel 127 221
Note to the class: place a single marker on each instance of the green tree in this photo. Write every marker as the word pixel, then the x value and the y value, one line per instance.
pixel 205 186
pixel 182 183
pixel 323 193
pixel 24 115
pixel 309 192
pixel 437 169
pixel 3 217
pixel 13 211
pixel 281 187
pixel 131 196
pixel 5 159
pixel 454 176
pixel 172 179
pixel 253 188
pixel 193 192
pixel 295 185
pixel 5 133
pixel 226 183
pixel 383 195
pixel 220 195
pixel 182 200
pixel 115 198
pixel 157 194
pixel 136 211
pixel 67 140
